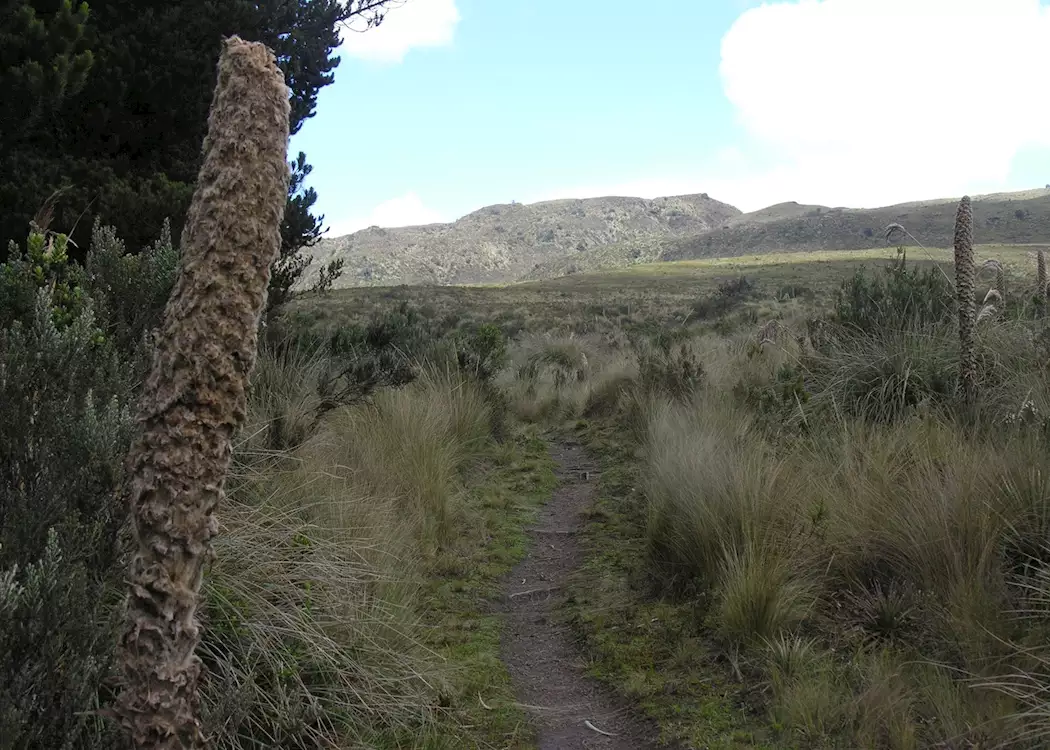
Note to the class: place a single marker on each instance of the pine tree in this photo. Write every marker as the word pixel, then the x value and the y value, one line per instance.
pixel 43 59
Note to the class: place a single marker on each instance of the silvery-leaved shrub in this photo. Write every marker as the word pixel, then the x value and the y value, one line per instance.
pixel 72 341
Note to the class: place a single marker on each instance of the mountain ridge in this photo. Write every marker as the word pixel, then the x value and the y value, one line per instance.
pixel 502 242
pixel 510 242
pixel 1021 217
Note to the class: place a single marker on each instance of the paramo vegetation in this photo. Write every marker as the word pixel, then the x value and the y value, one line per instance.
pixel 822 521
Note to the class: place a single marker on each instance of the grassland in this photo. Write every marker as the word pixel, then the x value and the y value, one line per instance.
pixel 802 536
pixel 511 243
pixel 642 296
pixel 798 541
pixel 805 541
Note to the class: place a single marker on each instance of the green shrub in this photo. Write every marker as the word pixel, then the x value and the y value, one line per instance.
pixel 778 401
pixel 43 263
pixel 58 630
pixel 66 385
pixel 898 298
pixel 62 441
pixel 730 294
pixel 794 291
pixel 675 372
pixel 130 291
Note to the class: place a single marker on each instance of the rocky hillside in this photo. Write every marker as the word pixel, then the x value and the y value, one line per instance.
pixel 1013 218
pixel 507 242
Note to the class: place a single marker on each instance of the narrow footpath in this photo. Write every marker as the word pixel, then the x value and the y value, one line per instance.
pixel 572 711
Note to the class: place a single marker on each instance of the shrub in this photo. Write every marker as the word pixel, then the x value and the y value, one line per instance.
pixel 779 400
pixel 311 639
pixel 43 263
pixel 62 441
pixel 730 294
pixel 674 372
pixel 901 297
pixel 130 291
pixel 58 630
pixel 795 291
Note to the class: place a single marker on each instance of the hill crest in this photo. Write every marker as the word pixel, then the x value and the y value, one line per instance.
pixel 503 242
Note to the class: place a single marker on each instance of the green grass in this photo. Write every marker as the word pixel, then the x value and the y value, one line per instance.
pixel 773 562
pixel 852 585
pixel 459 599
pixel 644 297
pixel 352 601
pixel 650 647
pixel 465 584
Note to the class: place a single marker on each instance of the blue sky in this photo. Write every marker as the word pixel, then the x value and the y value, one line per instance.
pixel 451 105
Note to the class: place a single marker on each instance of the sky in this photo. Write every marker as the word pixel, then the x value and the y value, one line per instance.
pixel 451 105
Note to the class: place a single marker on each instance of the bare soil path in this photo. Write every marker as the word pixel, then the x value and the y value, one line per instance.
pixel 540 651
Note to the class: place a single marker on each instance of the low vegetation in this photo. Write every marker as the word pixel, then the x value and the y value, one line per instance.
pixel 377 496
pixel 806 533
pixel 810 534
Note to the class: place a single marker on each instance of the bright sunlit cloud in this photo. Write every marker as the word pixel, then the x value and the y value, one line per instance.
pixel 871 102
pixel 864 99
pixel 854 103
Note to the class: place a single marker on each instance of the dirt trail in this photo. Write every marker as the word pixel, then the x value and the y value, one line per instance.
pixel 544 662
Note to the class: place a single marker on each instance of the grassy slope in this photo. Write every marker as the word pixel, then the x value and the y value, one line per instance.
pixel 1003 218
pixel 361 566
pixel 643 295
pixel 654 648
pixel 650 647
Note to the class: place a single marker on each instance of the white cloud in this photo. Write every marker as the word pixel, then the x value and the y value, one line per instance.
pixel 874 101
pixel 408 24
pixel 871 102
pixel 403 211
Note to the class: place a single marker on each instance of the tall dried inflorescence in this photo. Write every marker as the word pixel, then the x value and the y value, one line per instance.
pixel 1040 278
pixel 965 277
pixel 195 396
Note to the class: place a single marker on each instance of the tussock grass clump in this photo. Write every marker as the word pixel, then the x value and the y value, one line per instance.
pixel 556 378
pixel 410 445
pixel 315 631
pixel 285 400
pixel 311 631
pixel 885 375
pixel 762 593
pixel 714 489
pixel 874 562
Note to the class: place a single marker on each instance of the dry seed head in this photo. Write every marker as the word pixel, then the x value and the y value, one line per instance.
pixel 770 332
pixel 208 344
pixel 997 292
pixel 987 313
pixel 894 227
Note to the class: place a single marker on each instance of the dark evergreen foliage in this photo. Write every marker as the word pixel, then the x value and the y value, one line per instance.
pixel 112 102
